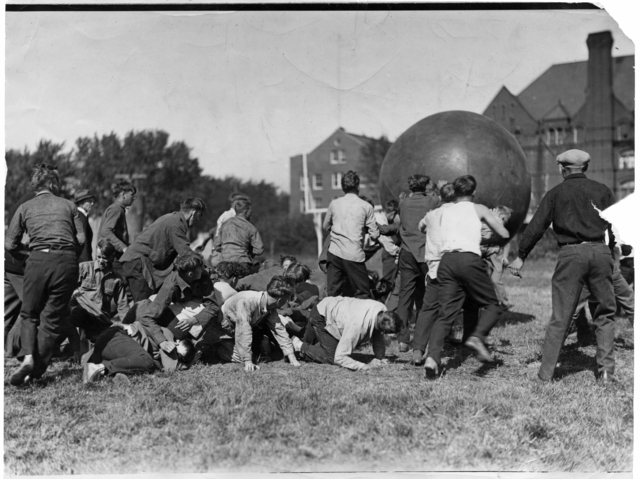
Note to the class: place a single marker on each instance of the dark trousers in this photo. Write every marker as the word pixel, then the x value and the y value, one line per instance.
pixel 135 279
pixel 13 286
pixel 318 345
pixel 464 282
pixel 120 353
pixel 49 281
pixel 427 315
pixel 342 272
pixel 412 275
pixel 389 266
pixel 577 265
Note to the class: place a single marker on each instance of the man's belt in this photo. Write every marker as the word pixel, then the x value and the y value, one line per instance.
pixel 601 241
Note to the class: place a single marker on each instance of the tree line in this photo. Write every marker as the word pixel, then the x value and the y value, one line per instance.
pixel 172 174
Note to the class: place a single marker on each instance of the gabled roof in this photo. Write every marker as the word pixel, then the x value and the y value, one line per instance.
pixel 567 82
pixel 557 112
pixel 360 139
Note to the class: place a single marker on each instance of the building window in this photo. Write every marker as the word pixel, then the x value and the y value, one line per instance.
pixel 317 181
pixel 337 157
pixel 578 134
pixel 302 183
pixel 626 188
pixel 336 181
pixel 627 160
pixel 549 133
pixel 504 111
pixel 560 134
pixel 622 131
pixel 317 202
pixel 302 205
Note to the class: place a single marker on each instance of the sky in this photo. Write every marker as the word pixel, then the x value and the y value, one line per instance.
pixel 248 90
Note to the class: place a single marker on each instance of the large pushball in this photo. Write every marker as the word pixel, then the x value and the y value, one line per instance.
pixel 447 145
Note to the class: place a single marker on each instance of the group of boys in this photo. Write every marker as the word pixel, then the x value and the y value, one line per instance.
pixel 172 308
pixel 452 253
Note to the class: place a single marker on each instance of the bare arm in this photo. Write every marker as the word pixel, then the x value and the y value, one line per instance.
pixel 491 220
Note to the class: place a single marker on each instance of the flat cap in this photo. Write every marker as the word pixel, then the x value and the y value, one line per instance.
pixel 82 195
pixel 575 158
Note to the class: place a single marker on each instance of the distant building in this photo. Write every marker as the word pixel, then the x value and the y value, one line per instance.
pixel 325 166
pixel 587 105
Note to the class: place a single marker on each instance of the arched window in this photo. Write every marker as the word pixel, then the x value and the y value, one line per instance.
pixel 504 111
pixel 578 134
pixel 623 130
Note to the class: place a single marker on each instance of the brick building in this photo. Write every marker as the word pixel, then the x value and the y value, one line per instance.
pixel 588 105
pixel 326 164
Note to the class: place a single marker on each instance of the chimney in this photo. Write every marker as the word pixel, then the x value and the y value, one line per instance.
pixel 599 98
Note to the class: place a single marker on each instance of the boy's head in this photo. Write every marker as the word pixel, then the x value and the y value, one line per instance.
pixel 193 209
pixel 230 272
pixel 391 209
pixel 503 212
pixel 105 253
pixel 297 273
pixel 432 189
pixel 447 193
pixel 236 196
pixel 124 192
pixel 242 207
pixel 464 186
pixel 286 261
pixel 45 176
pixel 280 290
pixel 418 183
pixel 185 350
pixel 189 266
pixel 389 322
pixel 350 182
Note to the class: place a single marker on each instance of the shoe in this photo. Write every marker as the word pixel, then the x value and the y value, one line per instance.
pixel 121 379
pixel 92 372
pixel 607 379
pixel 480 351
pixel 403 347
pixel 20 375
pixel 431 370
pixel 416 359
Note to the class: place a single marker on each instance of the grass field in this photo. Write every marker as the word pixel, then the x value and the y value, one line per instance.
pixel 322 418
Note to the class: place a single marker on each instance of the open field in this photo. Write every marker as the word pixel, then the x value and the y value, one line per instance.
pixel 322 418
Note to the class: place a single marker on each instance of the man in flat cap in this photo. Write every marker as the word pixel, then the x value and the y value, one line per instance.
pixel 84 201
pixel 584 258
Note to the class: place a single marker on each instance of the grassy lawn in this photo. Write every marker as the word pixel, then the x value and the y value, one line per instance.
pixel 322 418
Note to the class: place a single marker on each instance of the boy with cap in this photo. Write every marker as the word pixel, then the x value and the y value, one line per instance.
pixel 584 258
pixel 84 201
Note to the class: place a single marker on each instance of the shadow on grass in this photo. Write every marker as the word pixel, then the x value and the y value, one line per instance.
pixel 572 361
pixel 511 317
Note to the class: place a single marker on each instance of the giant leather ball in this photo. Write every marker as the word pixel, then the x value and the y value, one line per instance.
pixel 450 144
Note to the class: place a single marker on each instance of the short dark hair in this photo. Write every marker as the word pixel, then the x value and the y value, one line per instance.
pixel 42 175
pixel 241 205
pixel 391 322
pixel 447 193
pixel 122 186
pixel 418 183
pixel 236 195
pixel 464 186
pixel 287 258
pixel 187 261
pixel 189 354
pixel 432 189
pixel 193 204
pixel 280 287
pixel 230 269
pixel 350 182
pixel 298 273
pixel 391 205
pixel 367 199
pixel 107 248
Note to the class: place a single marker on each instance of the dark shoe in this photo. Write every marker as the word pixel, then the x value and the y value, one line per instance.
pixel 479 350
pixel 431 369
pixel 403 347
pixel 416 359
pixel 607 379
pixel 19 376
